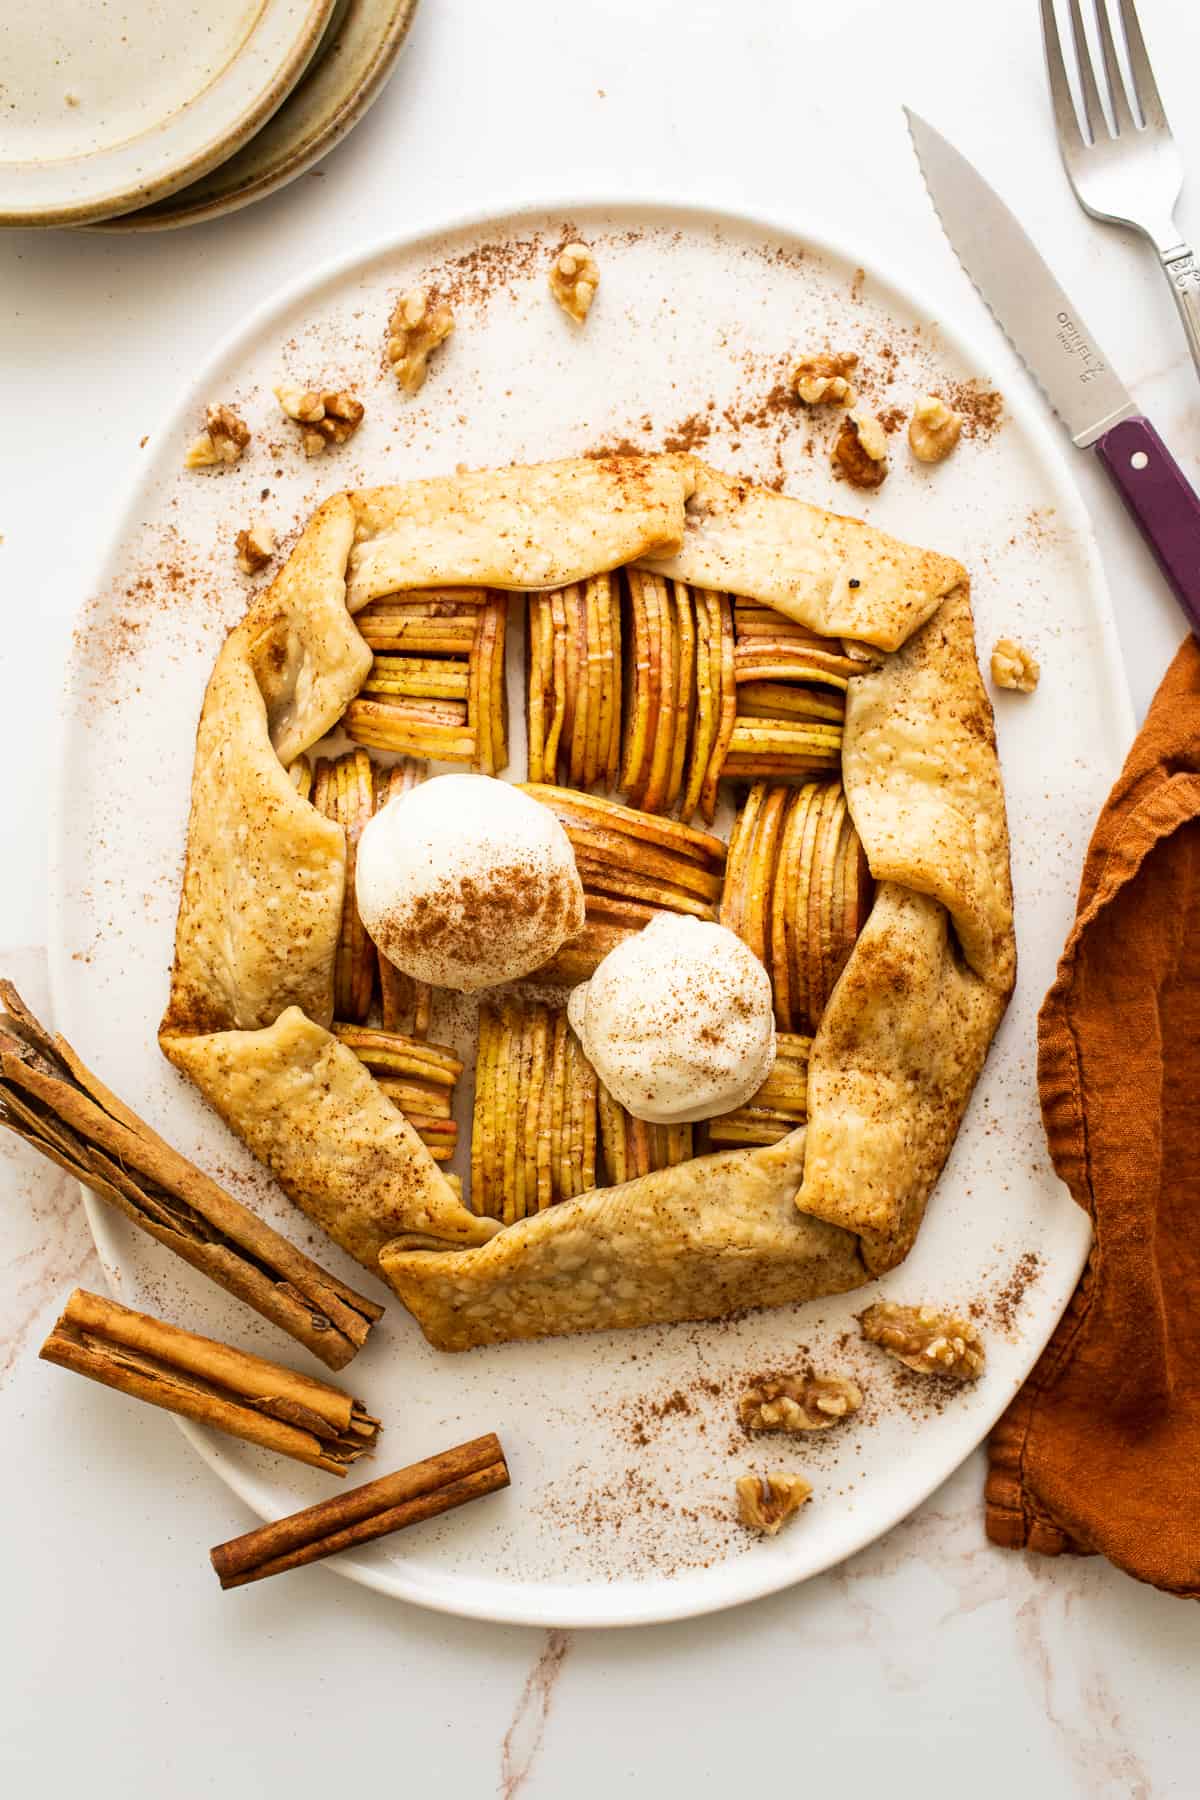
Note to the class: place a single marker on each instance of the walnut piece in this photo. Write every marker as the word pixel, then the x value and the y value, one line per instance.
pixel 766 1502
pixel 1013 666
pixel 574 278
pixel 933 430
pixel 302 404
pixel 806 1402
pixel 860 450
pixel 255 547
pixel 931 1342
pixel 419 323
pixel 821 380
pixel 330 417
pixel 222 441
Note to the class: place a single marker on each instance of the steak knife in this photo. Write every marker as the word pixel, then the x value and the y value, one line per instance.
pixel 1046 330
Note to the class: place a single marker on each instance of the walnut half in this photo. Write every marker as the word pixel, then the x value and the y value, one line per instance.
pixel 574 278
pixel 766 1502
pixel 329 417
pixel 860 450
pixel 933 430
pixel 928 1341
pixel 822 379
pixel 1013 666
pixel 419 323
pixel 799 1403
pixel 221 442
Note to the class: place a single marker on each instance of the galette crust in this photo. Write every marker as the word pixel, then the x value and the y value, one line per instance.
pixel 898 1048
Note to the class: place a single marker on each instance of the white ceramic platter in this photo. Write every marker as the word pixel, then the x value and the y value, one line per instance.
pixel 624 1447
pixel 110 107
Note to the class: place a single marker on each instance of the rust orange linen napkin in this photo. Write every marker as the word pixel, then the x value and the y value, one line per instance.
pixel 1100 1451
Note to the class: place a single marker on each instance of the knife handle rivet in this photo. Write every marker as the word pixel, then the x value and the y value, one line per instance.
pixel 1138 460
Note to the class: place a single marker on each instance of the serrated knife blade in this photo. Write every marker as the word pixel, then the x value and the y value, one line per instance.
pixel 1034 313
pixel 1049 335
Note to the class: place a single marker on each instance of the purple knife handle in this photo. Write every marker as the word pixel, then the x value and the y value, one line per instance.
pixel 1164 505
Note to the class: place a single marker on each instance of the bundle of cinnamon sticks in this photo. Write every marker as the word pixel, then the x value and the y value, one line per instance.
pixel 262 1402
pixel 51 1099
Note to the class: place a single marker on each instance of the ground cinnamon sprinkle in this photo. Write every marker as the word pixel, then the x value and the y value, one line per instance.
pixel 981 409
pixel 475 277
pixel 1008 1301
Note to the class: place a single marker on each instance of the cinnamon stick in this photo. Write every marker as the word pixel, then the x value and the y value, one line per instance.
pixel 407 1497
pixel 212 1383
pixel 52 1100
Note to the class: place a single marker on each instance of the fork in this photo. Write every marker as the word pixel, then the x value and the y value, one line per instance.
pixel 1126 174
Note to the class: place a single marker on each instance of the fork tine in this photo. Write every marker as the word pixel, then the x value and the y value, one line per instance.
pixel 1065 118
pixel 1145 88
pixel 1093 107
pixel 1122 112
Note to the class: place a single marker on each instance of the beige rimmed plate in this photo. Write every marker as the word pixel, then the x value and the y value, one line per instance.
pixel 346 76
pixel 106 109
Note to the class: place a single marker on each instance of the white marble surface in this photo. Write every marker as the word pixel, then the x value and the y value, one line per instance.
pixel 929 1663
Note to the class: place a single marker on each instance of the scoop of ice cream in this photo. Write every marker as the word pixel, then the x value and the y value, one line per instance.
pixel 466 882
pixel 677 1022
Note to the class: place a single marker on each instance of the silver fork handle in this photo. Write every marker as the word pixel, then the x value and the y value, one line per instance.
pixel 1184 276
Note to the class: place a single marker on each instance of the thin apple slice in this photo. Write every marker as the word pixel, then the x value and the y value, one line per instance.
pixel 705 727
pixel 797 877
pixel 832 863
pixel 612 1137
pixel 608 909
pixel 422 677
pixel 760 874
pixel 616 664
pixel 599 663
pixel 557 696
pixel 741 839
pixel 576 687
pixel 589 1088
pixel 857 895
pixel 781 973
pixel 699 846
pixel 583 685
pixel 523 1032
pixel 685 681
pixel 601 878
pixel 663 697
pixel 479 1111
pixel 499 705
pixel 510 1076
pixel 544 1163
pixel 637 686
pixel 784 737
pixel 833 910
pixel 536 686
pixel 488 1197
pixel 599 845
pixel 831 802
pixel 558 1093
pixel 782 700
pixel 727 708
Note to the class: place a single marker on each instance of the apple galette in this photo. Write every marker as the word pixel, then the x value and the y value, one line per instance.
pixel 740 942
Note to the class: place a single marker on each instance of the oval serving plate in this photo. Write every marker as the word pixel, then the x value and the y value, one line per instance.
pixel 106 119
pixel 350 70
pixel 624 1447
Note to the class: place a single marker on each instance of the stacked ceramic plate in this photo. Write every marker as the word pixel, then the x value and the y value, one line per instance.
pixel 163 112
